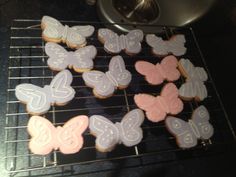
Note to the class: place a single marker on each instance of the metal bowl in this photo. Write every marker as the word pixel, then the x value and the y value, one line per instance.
pixel 151 12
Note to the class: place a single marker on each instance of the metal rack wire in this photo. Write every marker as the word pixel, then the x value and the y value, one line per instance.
pixel 27 64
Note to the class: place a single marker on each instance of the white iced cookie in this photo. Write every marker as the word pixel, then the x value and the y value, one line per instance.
pixel 38 100
pixel 194 86
pixel 74 37
pixel 160 47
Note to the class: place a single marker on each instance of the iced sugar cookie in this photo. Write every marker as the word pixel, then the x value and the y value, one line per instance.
pixel 113 43
pixel 105 84
pixel 160 47
pixel 108 134
pixel 80 60
pixel 188 133
pixel 194 86
pixel 156 74
pixel 158 107
pixel 45 137
pixel 74 37
pixel 38 100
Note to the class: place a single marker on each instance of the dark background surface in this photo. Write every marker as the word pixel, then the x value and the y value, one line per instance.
pixel 216 34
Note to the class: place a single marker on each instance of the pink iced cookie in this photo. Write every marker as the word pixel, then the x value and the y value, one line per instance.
pixel 156 74
pixel 45 137
pixel 158 107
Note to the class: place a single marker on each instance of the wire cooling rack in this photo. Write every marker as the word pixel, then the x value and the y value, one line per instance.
pixel 28 64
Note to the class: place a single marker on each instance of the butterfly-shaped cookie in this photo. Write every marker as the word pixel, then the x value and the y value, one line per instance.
pixel 158 107
pixel 113 43
pixel 80 60
pixel 194 86
pixel 156 74
pixel 175 45
pixel 187 133
pixel 38 100
pixel 45 137
pixel 74 37
pixel 104 84
pixel 108 134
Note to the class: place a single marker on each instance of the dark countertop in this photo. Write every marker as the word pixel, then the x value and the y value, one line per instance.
pixel 216 34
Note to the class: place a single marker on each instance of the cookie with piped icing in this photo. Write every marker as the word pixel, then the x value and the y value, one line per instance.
pixel 45 137
pixel 38 100
pixel 80 60
pixel 113 43
pixel 188 133
pixel 74 37
pixel 160 47
pixel 156 74
pixel 194 87
pixel 109 134
pixel 105 84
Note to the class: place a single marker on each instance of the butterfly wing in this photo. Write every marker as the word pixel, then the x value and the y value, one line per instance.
pixel 83 58
pixel 182 131
pixel 132 41
pixel 35 98
pixel 151 105
pixel 150 71
pixel 106 132
pixel 118 71
pixel 58 56
pixel 70 135
pixel 60 88
pixel 52 28
pixel 101 85
pixel 170 94
pixel 110 39
pixel 199 74
pixel 201 118
pixel 159 46
pixel 42 135
pixel 176 45
pixel 85 31
pixel 129 128
pixel 186 68
pixel 74 39
pixel 169 66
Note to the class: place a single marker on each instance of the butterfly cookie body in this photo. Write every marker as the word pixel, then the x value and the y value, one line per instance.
pixel 188 133
pixel 113 43
pixel 160 47
pixel 80 60
pixel 38 100
pixel 45 137
pixel 156 74
pixel 74 37
pixel 108 134
pixel 194 86
pixel 158 107
pixel 104 84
